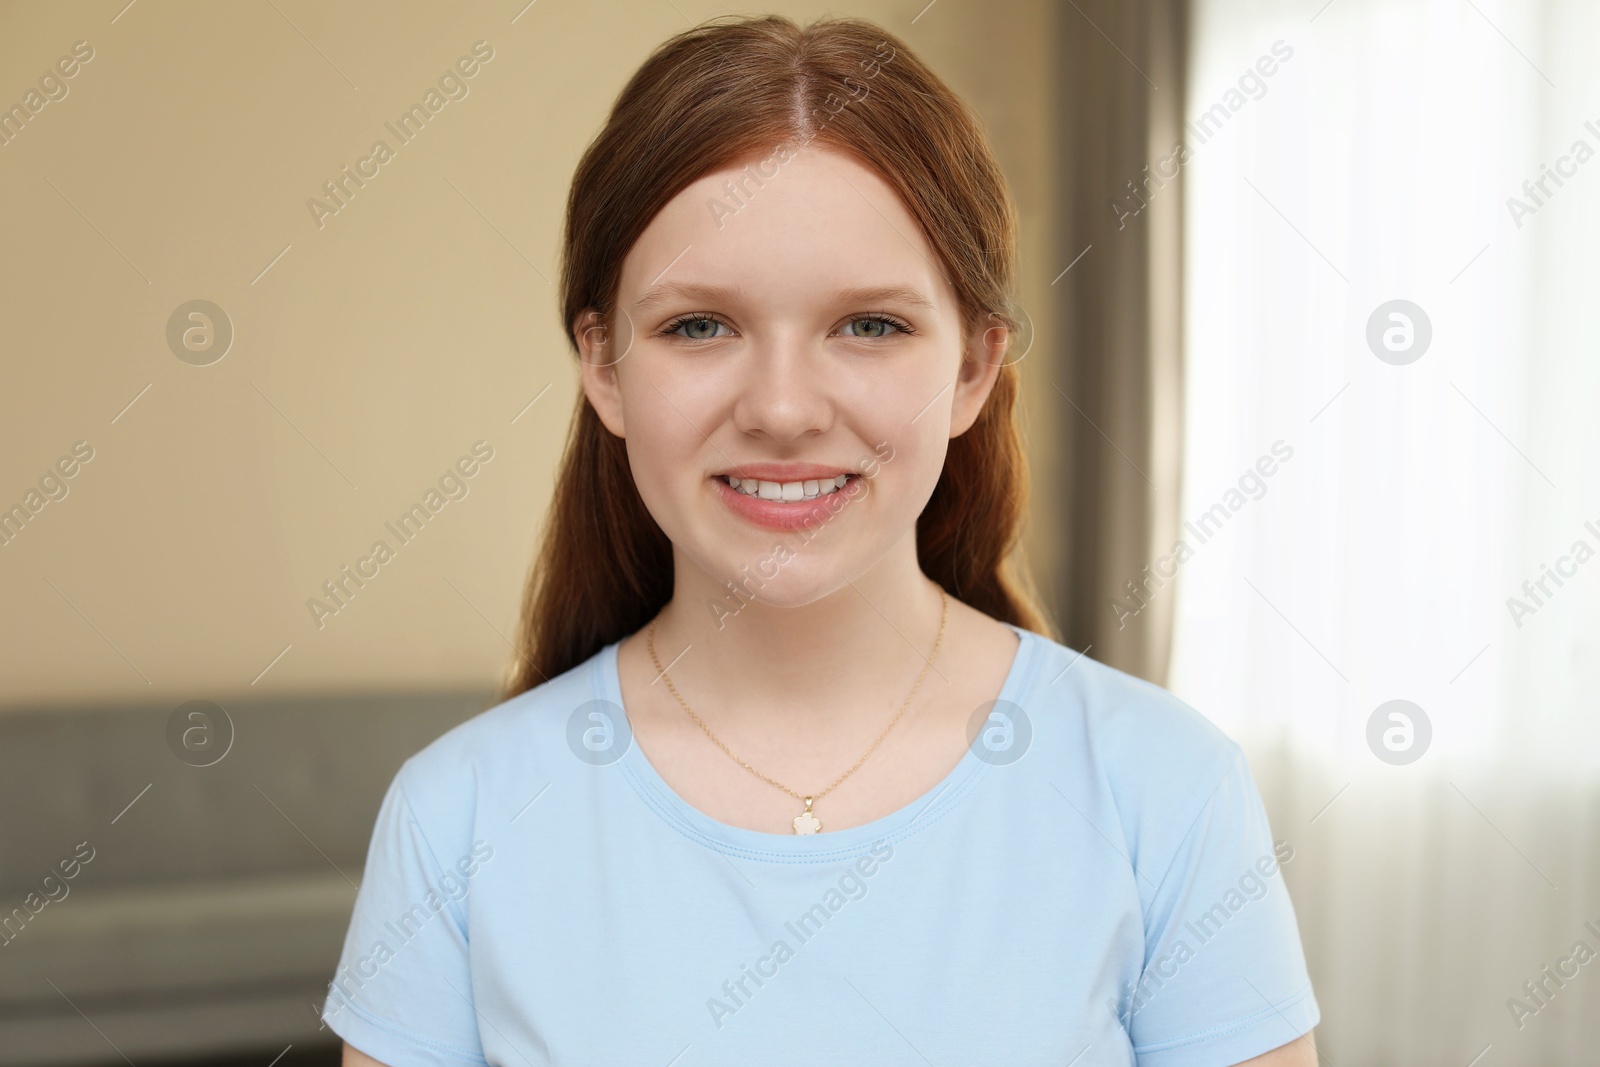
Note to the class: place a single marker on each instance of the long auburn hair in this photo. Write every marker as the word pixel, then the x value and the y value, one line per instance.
pixel 708 97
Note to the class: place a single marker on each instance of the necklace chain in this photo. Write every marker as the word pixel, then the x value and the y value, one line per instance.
pixel 944 612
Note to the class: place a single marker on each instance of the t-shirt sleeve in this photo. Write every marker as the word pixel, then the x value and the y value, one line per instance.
pixel 402 992
pixel 1224 973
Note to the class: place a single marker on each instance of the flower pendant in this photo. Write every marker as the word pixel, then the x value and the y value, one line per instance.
pixel 806 822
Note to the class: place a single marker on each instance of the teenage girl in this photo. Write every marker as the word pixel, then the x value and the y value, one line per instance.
pixel 790 769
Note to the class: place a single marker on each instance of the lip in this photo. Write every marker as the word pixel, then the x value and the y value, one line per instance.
pixel 782 515
pixel 784 472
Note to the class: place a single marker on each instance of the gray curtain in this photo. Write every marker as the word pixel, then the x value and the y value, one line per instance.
pixel 1119 395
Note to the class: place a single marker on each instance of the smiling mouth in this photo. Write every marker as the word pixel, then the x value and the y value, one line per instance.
pixel 787 492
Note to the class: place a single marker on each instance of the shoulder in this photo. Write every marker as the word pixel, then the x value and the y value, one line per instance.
pixel 1158 759
pixel 1129 721
pixel 499 758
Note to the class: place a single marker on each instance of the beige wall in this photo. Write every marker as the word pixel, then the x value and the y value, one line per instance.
pixel 368 358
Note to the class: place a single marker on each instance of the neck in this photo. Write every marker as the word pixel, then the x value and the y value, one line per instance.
pixel 853 651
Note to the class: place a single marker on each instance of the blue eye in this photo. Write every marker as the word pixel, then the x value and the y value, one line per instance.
pixel 877 326
pixel 695 327
pixel 703 327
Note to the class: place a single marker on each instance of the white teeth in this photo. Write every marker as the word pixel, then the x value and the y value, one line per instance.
pixel 788 491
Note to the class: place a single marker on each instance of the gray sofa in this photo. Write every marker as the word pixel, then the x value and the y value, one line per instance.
pixel 154 907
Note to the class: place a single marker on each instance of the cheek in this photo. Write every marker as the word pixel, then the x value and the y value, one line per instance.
pixel 916 460
pixel 664 451
pixel 904 430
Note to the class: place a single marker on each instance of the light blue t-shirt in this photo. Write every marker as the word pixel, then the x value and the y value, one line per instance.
pixel 1095 883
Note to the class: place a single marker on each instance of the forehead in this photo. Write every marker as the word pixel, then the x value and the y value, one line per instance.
pixel 821 222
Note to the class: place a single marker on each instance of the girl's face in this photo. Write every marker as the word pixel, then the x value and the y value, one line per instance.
pixel 784 323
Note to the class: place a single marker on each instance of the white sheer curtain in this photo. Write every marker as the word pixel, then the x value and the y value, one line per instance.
pixel 1377 561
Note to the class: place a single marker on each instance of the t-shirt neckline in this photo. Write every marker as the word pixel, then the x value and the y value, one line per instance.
pixel 829 845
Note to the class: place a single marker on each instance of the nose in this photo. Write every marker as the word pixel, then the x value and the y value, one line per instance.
pixel 784 391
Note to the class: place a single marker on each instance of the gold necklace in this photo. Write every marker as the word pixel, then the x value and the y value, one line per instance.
pixel 806 822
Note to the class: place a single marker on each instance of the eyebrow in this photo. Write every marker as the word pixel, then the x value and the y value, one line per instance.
pixel 712 294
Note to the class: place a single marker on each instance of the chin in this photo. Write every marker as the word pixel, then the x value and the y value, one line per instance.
pixel 787 573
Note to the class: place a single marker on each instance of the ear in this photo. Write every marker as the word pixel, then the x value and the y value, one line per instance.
pixel 980 367
pixel 597 363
